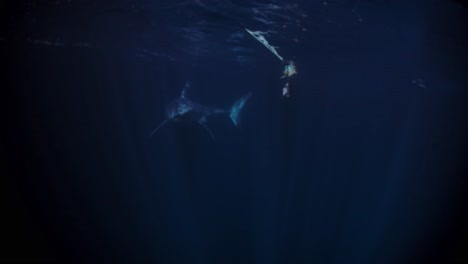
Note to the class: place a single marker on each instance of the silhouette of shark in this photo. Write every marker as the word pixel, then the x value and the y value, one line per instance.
pixel 183 109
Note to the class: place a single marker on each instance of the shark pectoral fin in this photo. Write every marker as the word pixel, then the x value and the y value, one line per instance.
pixel 207 129
pixel 237 107
pixel 158 127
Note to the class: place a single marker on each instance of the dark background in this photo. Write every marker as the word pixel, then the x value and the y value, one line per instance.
pixel 365 163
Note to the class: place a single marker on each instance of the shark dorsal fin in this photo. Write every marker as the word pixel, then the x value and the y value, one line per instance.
pixel 184 90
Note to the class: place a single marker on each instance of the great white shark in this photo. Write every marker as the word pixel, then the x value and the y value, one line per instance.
pixel 182 109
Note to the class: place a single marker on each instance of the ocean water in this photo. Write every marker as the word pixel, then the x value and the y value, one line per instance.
pixel 364 162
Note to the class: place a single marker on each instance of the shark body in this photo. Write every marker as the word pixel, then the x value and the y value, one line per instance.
pixel 182 109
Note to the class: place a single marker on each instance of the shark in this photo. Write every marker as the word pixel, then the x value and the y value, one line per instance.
pixel 182 109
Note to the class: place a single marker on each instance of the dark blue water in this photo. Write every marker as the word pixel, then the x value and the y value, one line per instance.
pixel 364 163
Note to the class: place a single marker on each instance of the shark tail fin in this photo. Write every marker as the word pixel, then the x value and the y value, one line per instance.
pixel 237 107
pixel 183 93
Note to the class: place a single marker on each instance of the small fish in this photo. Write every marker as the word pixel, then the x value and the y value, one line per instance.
pixel 183 109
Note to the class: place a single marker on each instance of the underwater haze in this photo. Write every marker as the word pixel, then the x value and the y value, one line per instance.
pixel 222 131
